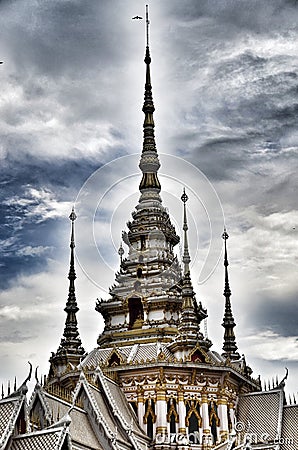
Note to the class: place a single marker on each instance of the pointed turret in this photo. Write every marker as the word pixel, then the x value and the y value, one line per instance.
pixel 191 313
pixel 70 350
pixel 229 346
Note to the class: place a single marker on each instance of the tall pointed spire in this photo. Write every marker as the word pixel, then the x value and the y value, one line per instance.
pixel 70 349
pixel 71 333
pixel 149 164
pixel 150 268
pixel 229 346
pixel 186 256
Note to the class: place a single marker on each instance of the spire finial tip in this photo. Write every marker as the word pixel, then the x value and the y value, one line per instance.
pixel 184 196
pixel 73 215
pixel 225 235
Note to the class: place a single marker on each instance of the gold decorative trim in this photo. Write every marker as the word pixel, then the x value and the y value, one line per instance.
pixel 198 348
pixel 161 430
pixel 213 414
pixel 148 413
pixel 172 411
pixel 193 410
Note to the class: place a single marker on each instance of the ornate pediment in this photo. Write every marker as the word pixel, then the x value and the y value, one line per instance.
pixel 197 354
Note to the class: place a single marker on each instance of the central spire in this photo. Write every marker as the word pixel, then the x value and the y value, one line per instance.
pixel 149 164
pixel 146 296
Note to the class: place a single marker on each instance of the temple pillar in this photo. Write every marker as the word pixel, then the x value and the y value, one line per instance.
pixel 232 415
pixel 206 437
pixel 161 410
pixel 222 409
pixel 181 412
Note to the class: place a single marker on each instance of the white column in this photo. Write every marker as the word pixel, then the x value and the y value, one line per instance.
pixel 181 412
pixel 205 422
pixel 223 417
pixel 161 411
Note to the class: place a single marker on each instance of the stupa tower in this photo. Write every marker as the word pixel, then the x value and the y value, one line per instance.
pixel 146 299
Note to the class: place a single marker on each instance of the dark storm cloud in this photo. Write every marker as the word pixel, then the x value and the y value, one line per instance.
pixel 60 64
pixel 241 15
pixel 240 61
pixel 59 37
pixel 29 235
pixel 277 314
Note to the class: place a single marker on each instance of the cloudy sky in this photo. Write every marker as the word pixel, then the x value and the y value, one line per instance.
pixel 225 89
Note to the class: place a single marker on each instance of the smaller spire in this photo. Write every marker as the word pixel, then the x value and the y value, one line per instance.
pixel 229 346
pixel 186 256
pixel 70 349
pixel 72 341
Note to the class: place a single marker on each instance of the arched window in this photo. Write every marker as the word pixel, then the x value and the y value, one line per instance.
pixel 150 416
pixel 197 356
pixel 136 312
pixel 193 419
pixel 213 420
pixel 139 272
pixel 114 360
pixel 172 415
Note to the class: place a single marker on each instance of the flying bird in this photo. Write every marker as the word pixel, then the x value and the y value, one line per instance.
pixel 1 62
pixel 137 17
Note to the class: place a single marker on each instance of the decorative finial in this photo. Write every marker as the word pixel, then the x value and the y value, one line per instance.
pixel 230 347
pixel 72 217
pixel 186 256
pixel 225 235
pixel 121 252
pixel 184 196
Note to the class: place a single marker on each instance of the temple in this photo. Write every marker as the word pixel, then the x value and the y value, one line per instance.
pixel 154 380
